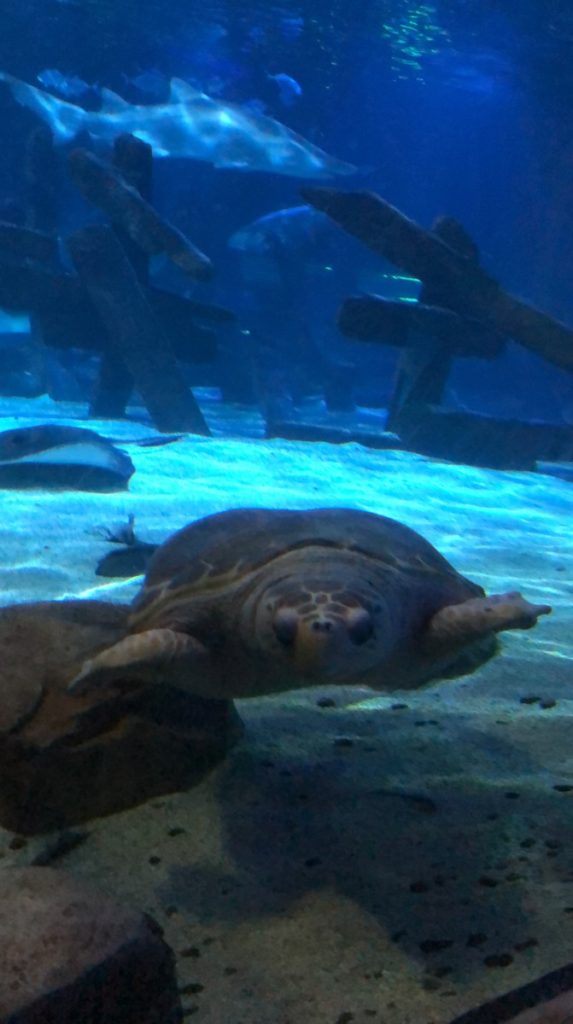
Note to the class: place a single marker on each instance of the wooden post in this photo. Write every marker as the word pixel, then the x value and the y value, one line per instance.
pixel 116 293
pixel 385 321
pixel 69 319
pixel 40 175
pixel 107 189
pixel 134 161
pixel 469 289
pixel 422 372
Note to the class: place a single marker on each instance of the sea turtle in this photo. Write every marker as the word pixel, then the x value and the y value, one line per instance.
pixel 254 601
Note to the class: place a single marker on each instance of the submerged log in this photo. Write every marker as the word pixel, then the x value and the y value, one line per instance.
pixel 372 318
pixel 421 377
pixel 30 288
pixel 69 320
pixel 40 175
pixel 298 430
pixel 470 290
pixel 19 244
pixel 133 159
pixel 174 305
pixel 394 237
pixel 180 309
pixel 133 330
pixel 423 369
pixel 478 440
pixel 113 388
pixel 106 188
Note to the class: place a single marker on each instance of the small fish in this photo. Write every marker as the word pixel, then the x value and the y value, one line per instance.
pixel 133 556
pixel 294 228
pixel 290 91
pixel 52 456
pixel 68 86
pixel 129 561
pixel 191 125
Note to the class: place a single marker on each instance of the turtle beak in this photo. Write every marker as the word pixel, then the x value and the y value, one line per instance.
pixel 313 641
pixel 308 641
pixel 321 644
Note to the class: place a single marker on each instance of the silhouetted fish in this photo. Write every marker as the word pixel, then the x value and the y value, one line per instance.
pixel 129 561
pixel 294 228
pixel 53 456
pixel 132 557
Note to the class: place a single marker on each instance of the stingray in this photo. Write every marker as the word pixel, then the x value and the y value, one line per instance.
pixel 52 456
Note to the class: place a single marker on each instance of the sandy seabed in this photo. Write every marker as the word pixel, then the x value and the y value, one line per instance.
pixel 395 858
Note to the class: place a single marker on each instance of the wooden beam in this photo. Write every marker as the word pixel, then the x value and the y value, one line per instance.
pixel 134 331
pixel 18 244
pixel 469 289
pixel 133 159
pixel 70 321
pixel 106 188
pixel 408 325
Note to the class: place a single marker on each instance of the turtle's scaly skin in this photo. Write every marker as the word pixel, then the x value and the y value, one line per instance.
pixel 255 601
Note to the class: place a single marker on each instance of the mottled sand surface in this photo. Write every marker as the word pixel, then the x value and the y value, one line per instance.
pixel 398 859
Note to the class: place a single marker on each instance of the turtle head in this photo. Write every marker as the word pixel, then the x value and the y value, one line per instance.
pixel 321 631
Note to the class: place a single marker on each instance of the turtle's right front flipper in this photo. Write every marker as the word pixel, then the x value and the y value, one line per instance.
pixel 155 656
pixel 457 625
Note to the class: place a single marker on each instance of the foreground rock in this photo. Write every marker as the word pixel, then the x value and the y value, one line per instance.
pixel 70 954
pixel 65 759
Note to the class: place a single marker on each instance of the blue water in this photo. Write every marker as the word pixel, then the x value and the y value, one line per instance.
pixel 441 108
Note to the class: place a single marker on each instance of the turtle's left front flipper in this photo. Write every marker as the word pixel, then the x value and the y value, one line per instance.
pixel 460 624
pixel 158 655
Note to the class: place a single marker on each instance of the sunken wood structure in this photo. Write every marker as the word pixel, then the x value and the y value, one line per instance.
pixel 463 311
pixel 108 306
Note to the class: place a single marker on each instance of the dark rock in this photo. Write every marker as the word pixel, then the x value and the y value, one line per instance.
pixel 70 953
pixel 66 759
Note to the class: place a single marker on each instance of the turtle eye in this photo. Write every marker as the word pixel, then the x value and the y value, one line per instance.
pixel 285 625
pixel 360 626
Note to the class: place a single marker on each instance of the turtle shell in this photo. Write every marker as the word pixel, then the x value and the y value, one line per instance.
pixel 218 550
